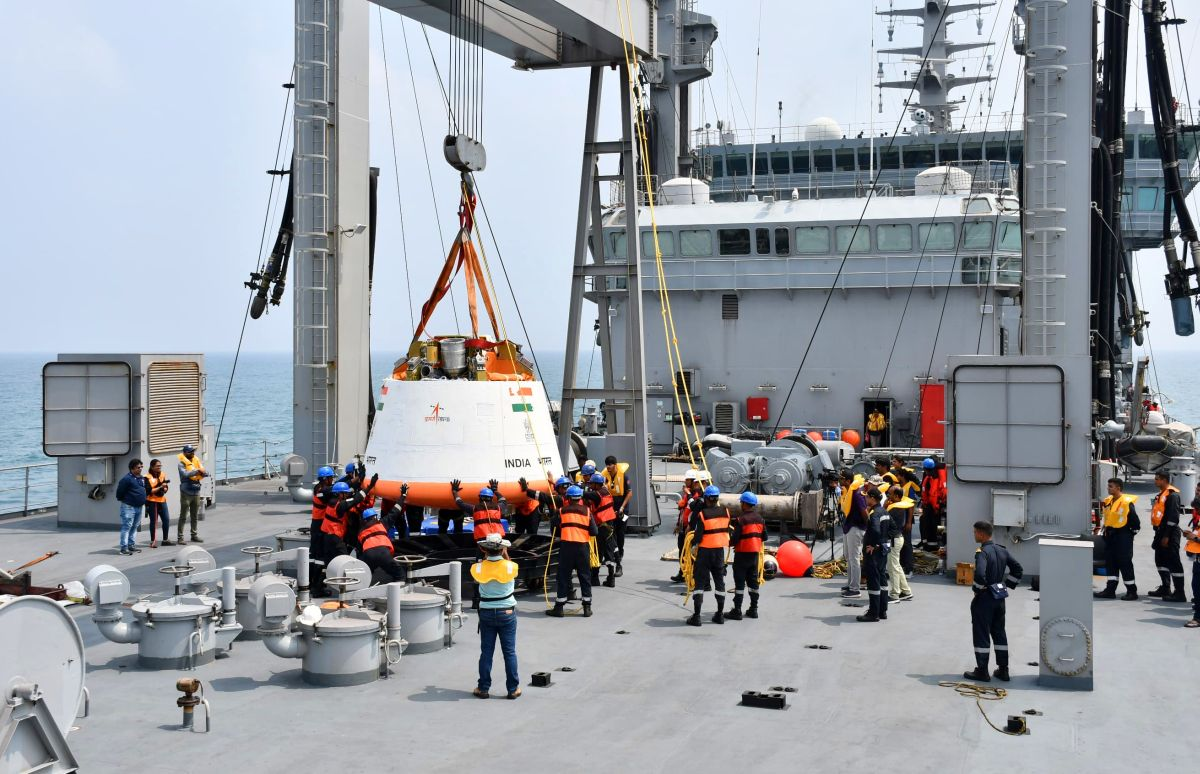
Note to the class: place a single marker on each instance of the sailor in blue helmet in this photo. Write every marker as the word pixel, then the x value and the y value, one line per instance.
pixel 586 471
pixel 603 508
pixel 749 534
pixel 710 537
pixel 574 527
pixel 322 496
pixel 337 518
pixel 378 551
pixel 549 504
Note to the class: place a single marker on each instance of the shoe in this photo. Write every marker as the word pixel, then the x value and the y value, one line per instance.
pixel 752 612
pixel 479 693
pixel 610 582
pixel 677 578
pixel 867 618
pixel 851 594
pixel 903 598
pixel 179 541
pixel 514 695
pixel 908 574
pixel 587 610
pixel 694 620
pixel 136 550
pixel 883 616
pixel 1106 594
pixel 1001 674
pixel 126 552
pixel 734 614
pixel 718 617
pixel 1158 592
pixel 620 572
pixel 979 675
pixel 1130 595
pixel 1178 596
pixel 167 542
pixel 844 588
pixel 196 539
pixel 556 611
pixel 154 544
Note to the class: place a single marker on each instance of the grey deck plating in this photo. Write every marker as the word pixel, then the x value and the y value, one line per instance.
pixel 660 697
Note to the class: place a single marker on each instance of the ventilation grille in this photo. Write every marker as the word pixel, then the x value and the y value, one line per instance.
pixel 729 307
pixel 724 417
pixel 173 406
pixel 686 380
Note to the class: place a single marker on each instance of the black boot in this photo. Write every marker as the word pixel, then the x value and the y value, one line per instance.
pixel 587 609
pixel 620 572
pixel 1178 596
pixel 978 674
pixel 1001 674
pixel 719 616
pixel 677 578
pixel 1130 593
pixel 557 612
pixel 697 601
pixel 753 611
pixel 1164 587
pixel 611 580
pixel 1110 591
pixel 736 613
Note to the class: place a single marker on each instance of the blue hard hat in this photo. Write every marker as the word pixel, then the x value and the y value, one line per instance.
pixel 712 491
pixel 187 447
pixel 350 468
pixel 562 481
pixel 929 464
pixel 324 472
pixel 370 513
pixel 486 492
pixel 574 492
pixel 588 470
pixel 341 487
pixel 596 479
pixel 749 498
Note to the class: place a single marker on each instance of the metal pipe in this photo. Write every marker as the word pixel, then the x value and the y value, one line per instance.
pixel 300 494
pixel 455 589
pixel 395 591
pixel 228 598
pixel 303 592
pixel 775 507
pixel 115 628
pixel 284 643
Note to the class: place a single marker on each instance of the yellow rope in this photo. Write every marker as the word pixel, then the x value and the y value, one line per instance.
pixel 546 572
pixel 981 693
pixel 687 563
pixel 593 554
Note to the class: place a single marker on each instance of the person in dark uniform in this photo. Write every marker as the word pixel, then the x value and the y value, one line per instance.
pixel 548 504
pixel 995 573
pixel 616 480
pixel 397 518
pixel 910 487
pixel 1164 517
pixel 485 516
pixel 322 496
pixel 692 489
pixel 1119 526
pixel 575 527
pixel 601 503
pixel 749 533
pixel 337 519
pixel 710 537
pixel 876 545
pixel 933 503
pixel 377 549
pixel 1192 548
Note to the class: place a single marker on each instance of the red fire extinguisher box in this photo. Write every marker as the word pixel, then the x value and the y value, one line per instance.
pixel 758 409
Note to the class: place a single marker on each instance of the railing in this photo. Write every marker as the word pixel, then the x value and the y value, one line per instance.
pixel 253 459
pixel 27 489
pixel 986 177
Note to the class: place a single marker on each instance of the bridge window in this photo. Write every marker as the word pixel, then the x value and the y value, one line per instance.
pixel 695 243
pixel 734 241
pixel 800 162
pixel 995 151
pixel 760 164
pixel 889 158
pixel 972 151
pixel 666 243
pixel 812 240
pixel 1147 198
pixel 975 269
pixel 977 235
pixel 779 164
pixel 1010 236
pixel 1008 269
pixel 782 246
pixel 1127 199
pixel 854 239
pixel 762 241
pixel 1130 146
pixel 936 236
pixel 864 159
pixel 616 241
pixel 844 159
pixel 1015 156
pixel 822 160
pixel 894 238
pixel 718 166
pixel 736 166
pixel 1148 147
pixel 919 157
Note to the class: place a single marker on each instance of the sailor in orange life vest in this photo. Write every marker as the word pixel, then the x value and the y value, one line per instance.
pixel 749 532
pixel 549 504
pixel 616 478
pixel 1164 516
pixel 337 518
pixel 710 536
pixel 933 503
pixel 600 502
pixel 575 527
pixel 397 518
pixel 486 516
pixel 1120 524
pixel 366 493
pixel 377 549
pixel 1193 551
pixel 692 489
pixel 322 496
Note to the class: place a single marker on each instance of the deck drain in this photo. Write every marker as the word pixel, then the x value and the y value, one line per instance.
pixel 566 669
pixel 622 631
pixel 783 688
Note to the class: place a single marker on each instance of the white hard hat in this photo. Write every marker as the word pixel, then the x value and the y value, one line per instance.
pixel 493 541
pixel 691 474
pixel 703 475
pixel 589 462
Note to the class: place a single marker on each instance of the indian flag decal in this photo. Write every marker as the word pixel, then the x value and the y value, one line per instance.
pixel 519 407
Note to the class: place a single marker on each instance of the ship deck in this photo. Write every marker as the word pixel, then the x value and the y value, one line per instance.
pixel 648 693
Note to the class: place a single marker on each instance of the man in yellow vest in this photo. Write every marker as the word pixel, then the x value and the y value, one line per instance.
pixel 1164 517
pixel 876 425
pixel 1193 551
pixel 854 527
pixel 191 473
pixel 616 479
pixel 495 577
pixel 1119 526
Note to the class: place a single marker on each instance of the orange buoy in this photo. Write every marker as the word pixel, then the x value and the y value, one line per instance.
pixel 851 437
pixel 782 434
pixel 814 434
pixel 794 558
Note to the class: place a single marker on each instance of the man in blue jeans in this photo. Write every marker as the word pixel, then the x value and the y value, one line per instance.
pixel 131 494
pixel 495 578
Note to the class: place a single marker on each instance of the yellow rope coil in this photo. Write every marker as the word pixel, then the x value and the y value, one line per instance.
pixel 687 563
pixel 593 553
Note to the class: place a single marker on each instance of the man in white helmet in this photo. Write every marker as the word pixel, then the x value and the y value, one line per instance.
pixel 691 490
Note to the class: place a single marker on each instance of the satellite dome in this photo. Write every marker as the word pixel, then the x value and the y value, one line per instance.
pixel 823 128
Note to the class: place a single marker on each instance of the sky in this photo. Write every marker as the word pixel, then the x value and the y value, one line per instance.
pixel 138 135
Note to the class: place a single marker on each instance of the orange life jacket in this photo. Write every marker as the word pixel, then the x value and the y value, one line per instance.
pixel 529 506
pixel 375 536
pixel 1191 546
pixel 714 528
pixel 685 497
pixel 1160 505
pixel 487 521
pixel 153 483
pixel 318 511
pixel 334 523
pixel 604 512
pixel 752 531
pixel 574 523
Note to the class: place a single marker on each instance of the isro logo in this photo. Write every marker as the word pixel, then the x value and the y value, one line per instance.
pixel 437 414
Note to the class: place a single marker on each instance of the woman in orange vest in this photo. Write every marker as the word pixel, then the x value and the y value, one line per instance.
pixel 156 503
pixel 1164 517
pixel 600 501
pixel 575 527
pixel 377 549
pixel 710 534
pixel 1193 551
